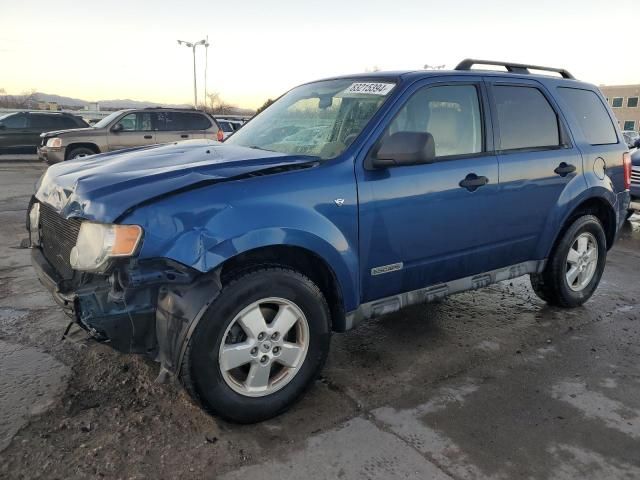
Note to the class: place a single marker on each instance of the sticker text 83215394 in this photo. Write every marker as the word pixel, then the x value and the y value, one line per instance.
pixel 370 88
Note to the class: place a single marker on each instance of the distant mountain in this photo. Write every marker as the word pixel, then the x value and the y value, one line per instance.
pixel 106 104
pixel 77 103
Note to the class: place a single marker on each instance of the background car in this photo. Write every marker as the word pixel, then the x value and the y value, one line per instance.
pixel 227 127
pixel 20 131
pixel 635 183
pixel 127 129
pixel 632 138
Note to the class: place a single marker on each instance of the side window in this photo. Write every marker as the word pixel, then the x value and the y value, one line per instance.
pixel 66 122
pixel 43 122
pixel 166 121
pixel 591 115
pixel 195 121
pixel 451 114
pixel 15 121
pixel 525 118
pixel 136 122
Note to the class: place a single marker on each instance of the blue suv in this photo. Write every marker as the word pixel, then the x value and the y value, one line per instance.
pixel 348 198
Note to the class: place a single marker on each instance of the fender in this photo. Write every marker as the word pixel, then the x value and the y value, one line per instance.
pixel 567 203
pixel 199 230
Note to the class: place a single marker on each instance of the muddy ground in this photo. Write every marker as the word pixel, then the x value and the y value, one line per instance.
pixel 488 384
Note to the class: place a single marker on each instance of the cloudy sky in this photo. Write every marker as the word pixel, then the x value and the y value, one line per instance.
pixel 127 49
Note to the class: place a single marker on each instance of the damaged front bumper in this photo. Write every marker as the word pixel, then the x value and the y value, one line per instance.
pixel 149 308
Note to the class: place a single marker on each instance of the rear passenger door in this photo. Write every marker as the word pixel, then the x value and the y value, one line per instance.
pixel 137 130
pixel 538 162
pixel 177 126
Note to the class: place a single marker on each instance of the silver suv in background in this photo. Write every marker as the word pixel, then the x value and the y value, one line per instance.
pixel 127 129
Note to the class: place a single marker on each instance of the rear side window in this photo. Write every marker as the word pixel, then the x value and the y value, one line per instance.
pixel 43 121
pixel 177 121
pixel 591 115
pixel 51 121
pixel 525 118
pixel 194 121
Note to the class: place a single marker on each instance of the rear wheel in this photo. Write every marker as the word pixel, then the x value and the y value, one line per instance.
pixel 259 345
pixel 574 269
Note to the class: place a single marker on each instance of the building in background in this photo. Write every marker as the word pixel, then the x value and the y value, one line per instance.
pixel 53 106
pixel 623 100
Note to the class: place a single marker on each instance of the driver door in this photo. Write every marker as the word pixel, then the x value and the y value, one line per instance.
pixel 419 224
pixel 132 130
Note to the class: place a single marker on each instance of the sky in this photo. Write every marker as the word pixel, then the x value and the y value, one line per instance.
pixel 260 49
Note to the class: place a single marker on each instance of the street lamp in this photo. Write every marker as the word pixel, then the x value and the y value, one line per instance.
pixel 206 67
pixel 192 46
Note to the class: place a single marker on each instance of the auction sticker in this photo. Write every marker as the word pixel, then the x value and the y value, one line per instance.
pixel 370 88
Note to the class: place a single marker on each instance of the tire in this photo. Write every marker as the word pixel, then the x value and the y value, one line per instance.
pixel 217 389
pixel 80 152
pixel 553 285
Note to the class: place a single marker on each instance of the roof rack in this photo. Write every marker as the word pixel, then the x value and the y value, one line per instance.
pixel 467 63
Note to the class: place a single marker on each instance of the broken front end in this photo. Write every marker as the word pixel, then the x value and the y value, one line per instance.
pixel 147 307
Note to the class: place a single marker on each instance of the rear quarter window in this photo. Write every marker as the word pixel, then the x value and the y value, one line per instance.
pixel 195 121
pixel 590 113
pixel 525 118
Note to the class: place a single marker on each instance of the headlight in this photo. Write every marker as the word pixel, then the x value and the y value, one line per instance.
pixel 54 142
pixel 98 242
pixel 34 223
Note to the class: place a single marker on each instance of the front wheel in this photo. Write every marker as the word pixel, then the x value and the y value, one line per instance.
pixel 576 264
pixel 80 152
pixel 259 345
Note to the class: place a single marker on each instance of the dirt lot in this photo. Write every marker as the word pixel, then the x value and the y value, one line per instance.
pixel 489 384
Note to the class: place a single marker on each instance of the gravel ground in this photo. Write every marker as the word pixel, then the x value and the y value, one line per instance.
pixel 489 384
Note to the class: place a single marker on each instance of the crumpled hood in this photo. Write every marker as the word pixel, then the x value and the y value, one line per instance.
pixel 103 187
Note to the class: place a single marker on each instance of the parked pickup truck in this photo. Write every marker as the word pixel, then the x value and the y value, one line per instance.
pixel 231 263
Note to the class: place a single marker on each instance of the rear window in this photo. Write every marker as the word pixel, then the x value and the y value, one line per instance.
pixel 525 118
pixel 591 115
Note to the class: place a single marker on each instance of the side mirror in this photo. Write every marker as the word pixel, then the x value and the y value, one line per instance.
pixel 404 148
pixel 117 128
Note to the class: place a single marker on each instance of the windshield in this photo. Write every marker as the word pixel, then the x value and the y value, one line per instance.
pixel 320 119
pixel 107 120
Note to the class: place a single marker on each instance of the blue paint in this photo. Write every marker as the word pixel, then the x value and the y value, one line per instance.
pixel 199 205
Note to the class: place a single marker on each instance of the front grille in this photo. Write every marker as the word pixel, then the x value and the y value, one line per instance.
pixel 58 236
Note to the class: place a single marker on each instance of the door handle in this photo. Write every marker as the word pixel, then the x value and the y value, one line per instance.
pixel 472 182
pixel 148 137
pixel 565 169
pixel 184 135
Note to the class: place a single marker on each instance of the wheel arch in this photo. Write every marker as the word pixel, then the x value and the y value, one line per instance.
pixel 597 205
pixel 297 258
pixel 74 145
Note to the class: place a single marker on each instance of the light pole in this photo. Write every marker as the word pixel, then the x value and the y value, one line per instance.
pixel 206 67
pixel 192 46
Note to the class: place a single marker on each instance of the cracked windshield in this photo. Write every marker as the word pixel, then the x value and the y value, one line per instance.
pixel 319 119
